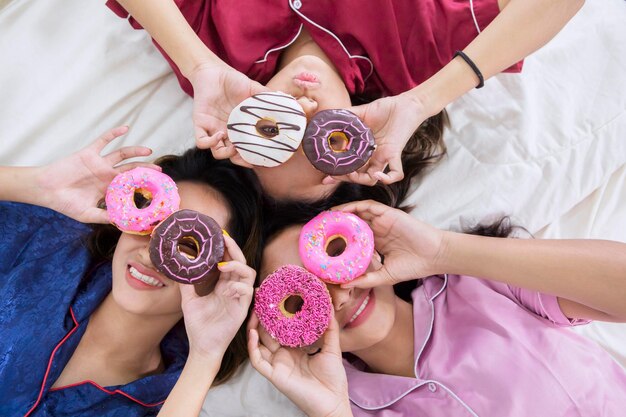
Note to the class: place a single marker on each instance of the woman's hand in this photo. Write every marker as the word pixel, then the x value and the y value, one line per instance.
pixel 317 383
pixel 75 185
pixel 411 248
pixel 393 120
pixel 218 89
pixel 212 320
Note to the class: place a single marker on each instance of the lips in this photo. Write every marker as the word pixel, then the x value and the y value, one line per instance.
pixel 362 310
pixel 307 80
pixel 142 278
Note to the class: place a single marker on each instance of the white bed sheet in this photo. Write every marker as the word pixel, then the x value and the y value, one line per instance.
pixel 547 146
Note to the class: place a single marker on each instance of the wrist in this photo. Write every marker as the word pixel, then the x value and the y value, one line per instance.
pixel 448 84
pixel 344 411
pixel 21 184
pixel 443 262
pixel 200 62
pixel 206 359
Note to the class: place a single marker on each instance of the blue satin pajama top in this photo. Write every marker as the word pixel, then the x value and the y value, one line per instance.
pixel 48 289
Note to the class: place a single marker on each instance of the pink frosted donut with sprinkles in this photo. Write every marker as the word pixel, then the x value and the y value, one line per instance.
pixel 337 142
pixel 155 192
pixel 336 246
pixel 293 306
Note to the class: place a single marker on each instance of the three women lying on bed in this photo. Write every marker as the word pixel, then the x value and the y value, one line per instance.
pixel 442 323
pixel 424 341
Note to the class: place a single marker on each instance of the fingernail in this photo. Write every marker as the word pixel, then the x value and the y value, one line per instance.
pixel 225 233
pixel 222 263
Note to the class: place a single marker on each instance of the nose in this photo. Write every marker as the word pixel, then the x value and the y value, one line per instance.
pixel 341 296
pixel 144 251
pixel 309 105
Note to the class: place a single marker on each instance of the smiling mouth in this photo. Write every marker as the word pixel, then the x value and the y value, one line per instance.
pixel 360 309
pixel 144 278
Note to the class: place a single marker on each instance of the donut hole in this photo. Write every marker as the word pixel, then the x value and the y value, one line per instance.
pixel 291 305
pixel 338 141
pixel 188 247
pixel 142 198
pixel 336 245
pixel 267 128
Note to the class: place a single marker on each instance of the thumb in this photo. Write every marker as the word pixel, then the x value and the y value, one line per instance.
pixel 370 279
pixel 359 111
pixel 187 293
pixel 331 337
pixel 95 215
pixel 258 88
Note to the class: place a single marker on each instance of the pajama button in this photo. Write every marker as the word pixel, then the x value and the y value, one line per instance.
pixel 432 387
pixel 297 4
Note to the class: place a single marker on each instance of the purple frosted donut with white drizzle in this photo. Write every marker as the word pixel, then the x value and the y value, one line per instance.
pixel 267 128
pixel 337 142
pixel 186 246
pixel 293 288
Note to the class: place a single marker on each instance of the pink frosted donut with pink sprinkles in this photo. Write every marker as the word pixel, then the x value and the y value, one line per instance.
pixel 336 246
pixel 158 192
pixel 293 306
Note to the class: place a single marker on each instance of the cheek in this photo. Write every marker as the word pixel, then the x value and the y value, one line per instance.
pixel 163 302
pixel 376 328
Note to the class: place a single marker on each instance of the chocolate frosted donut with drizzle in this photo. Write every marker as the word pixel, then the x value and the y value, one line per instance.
pixel 337 142
pixel 186 246
pixel 267 128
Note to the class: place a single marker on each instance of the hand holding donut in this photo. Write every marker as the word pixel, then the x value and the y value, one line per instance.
pixel 218 88
pixel 411 248
pixel 212 320
pixel 316 383
pixel 392 121
pixel 76 184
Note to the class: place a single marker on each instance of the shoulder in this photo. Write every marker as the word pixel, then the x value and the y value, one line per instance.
pixel 32 232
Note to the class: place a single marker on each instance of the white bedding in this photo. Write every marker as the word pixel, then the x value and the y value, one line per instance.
pixel 547 147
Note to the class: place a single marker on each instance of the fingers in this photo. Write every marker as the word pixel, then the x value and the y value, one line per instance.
pixel 236 289
pixel 370 279
pixel 238 160
pixel 95 215
pixel 206 141
pixel 237 271
pixel 187 293
pixel 394 174
pixel 224 150
pixel 253 324
pixel 363 178
pixel 125 153
pixel 367 210
pixel 107 137
pixel 331 338
pixel 232 252
pixel 132 165
pixel 259 355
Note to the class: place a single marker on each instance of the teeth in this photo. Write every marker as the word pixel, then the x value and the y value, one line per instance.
pixel 145 278
pixel 361 308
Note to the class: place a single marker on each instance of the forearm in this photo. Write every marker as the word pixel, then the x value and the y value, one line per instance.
pixel 588 272
pixel 20 184
pixel 166 24
pixel 188 394
pixel 521 28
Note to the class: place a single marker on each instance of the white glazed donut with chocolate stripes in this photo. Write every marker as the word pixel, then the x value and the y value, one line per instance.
pixel 267 128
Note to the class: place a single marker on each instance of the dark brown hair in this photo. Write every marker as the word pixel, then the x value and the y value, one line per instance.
pixel 241 192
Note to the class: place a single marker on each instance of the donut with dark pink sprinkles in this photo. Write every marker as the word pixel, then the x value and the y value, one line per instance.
pixel 337 142
pixel 186 246
pixel 306 325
